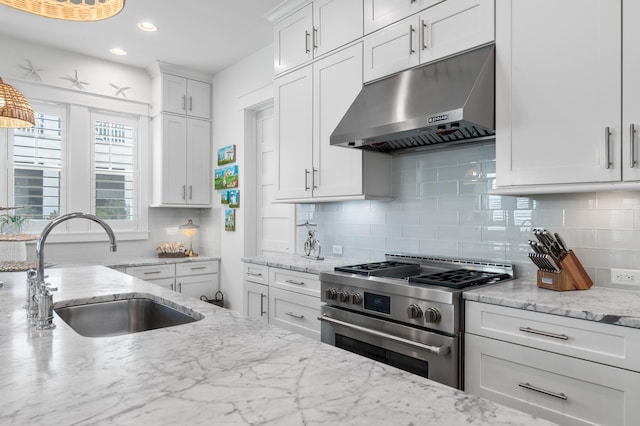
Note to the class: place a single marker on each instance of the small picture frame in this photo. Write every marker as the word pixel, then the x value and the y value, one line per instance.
pixel 233 198
pixel 226 177
pixel 230 220
pixel 224 197
pixel 227 155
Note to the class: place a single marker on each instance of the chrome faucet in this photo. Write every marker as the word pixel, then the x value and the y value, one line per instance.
pixel 42 296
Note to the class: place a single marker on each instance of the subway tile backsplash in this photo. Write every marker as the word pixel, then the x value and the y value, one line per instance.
pixel 442 206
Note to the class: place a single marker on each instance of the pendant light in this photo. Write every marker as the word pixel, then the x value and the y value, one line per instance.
pixel 15 110
pixel 70 10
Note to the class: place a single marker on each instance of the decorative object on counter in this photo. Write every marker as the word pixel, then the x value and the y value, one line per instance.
pixel 68 10
pixel 15 110
pixel 227 155
pixel 189 230
pixel 312 244
pixel 12 239
pixel 558 267
pixel 218 299
pixel 165 250
pixel 226 177
pixel 230 220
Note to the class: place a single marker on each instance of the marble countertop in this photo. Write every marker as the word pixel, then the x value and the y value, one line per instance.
pixel 224 369
pixel 135 261
pixel 296 262
pixel 600 304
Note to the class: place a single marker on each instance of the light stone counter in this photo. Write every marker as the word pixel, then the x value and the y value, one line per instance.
pixel 225 369
pixel 137 261
pixel 296 262
pixel 600 304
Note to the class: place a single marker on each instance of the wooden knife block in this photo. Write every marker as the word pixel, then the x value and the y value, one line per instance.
pixel 572 276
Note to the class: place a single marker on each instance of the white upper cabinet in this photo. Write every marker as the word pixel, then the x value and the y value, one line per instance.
pixel 314 30
pixel 560 88
pixel 445 29
pixel 380 13
pixel 631 91
pixel 185 96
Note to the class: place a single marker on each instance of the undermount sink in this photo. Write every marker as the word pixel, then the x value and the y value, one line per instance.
pixel 124 316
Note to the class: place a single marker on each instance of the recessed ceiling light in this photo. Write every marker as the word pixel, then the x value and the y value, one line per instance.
pixel 118 51
pixel 147 26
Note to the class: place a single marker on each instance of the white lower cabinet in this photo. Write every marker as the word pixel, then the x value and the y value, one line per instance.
pixel 163 275
pixel 546 365
pixel 193 279
pixel 255 283
pixel 294 311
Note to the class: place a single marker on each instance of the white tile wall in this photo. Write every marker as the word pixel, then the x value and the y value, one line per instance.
pixel 442 206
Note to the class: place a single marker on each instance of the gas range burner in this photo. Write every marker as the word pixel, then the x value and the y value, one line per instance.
pixel 385 268
pixel 459 278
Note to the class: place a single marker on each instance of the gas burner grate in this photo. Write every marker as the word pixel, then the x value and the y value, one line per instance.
pixel 459 278
pixel 385 268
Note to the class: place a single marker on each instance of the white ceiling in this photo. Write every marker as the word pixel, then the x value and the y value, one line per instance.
pixel 203 35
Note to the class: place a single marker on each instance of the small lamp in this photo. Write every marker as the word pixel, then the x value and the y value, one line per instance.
pixel 15 110
pixel 189 230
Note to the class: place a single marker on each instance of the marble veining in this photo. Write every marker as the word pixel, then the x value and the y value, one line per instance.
pixel 600 304
pixel 225 369
pixel 300 263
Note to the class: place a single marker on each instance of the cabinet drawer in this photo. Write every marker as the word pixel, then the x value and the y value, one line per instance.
pixel 152 272
pixel 255 273
pixel 196 268
pixel 299 282
pixel 294 311
pixel 590 340
pixel 559 388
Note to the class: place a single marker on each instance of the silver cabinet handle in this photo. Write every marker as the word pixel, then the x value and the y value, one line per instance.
pixel 254 274
pixel 172 286
pixel 313 178
pixel 423 35
pixel 196 268
pixel 411 31
pixel 262 311
pixel 184 102
pixel 152 272
pixel 543 391
pixel 306 42
pixel 607 145
pixel 543 333
pixel 180 287
pixel 191 192
pixel 291 314
pixel 442 350
pixel 190 103
pixel 306 180
pixel 632 145
pixel 295 282
pixel 315 38
pixel 184 192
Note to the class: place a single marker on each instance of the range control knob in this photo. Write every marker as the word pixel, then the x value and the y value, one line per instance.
pixel 356 298
pixel 414 311
pixel 330 293
pixel 344 296
pixel 431 315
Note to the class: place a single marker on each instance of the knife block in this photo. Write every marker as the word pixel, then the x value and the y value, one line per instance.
pixel 572 276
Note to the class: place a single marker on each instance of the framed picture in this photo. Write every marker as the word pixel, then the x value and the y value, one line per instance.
pixel 226 155
pixel 230 220
pixel 224 197
pixel 233 198
pixel 226 177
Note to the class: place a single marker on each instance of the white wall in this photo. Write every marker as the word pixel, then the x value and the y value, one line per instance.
pixel 235 90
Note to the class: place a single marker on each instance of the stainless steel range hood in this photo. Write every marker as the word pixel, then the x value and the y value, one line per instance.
pixel 450 101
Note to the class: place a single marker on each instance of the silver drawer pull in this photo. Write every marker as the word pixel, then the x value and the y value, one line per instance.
pixel 152 272
pixel 544 333
pixel 291 314
pixel 295 282
pixel 198 267
pixel 253 274
pixel 442 350
pixel 543 391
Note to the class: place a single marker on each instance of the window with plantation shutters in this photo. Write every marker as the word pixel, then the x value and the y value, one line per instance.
pixel 37 165
pixel 115 149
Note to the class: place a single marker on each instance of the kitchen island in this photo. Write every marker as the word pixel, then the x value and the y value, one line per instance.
pixel 224 369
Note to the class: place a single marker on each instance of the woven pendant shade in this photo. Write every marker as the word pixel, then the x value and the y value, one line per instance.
pixel 15 110
pixel 70 10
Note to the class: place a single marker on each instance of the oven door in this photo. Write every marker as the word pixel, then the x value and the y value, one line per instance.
pixel 428 354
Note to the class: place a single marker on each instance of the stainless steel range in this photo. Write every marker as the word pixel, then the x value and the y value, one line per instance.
pixel 406 311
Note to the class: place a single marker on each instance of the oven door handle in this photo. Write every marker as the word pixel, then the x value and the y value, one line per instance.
pixel 442 350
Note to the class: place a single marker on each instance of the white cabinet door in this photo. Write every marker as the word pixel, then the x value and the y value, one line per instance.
pixel 455 26
pixel 169 283
pixel 335 23
pixel 380 13
pixel 337 80
pixel 174 94
pixel 256 301
pixel 558 88
pixel 198 99
pixel 293 40
pixel 392 49
pixel 631 92
pixel 198 175
pixel 559 388
pixel 294 118
pixel 197 285
pixel 174 160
